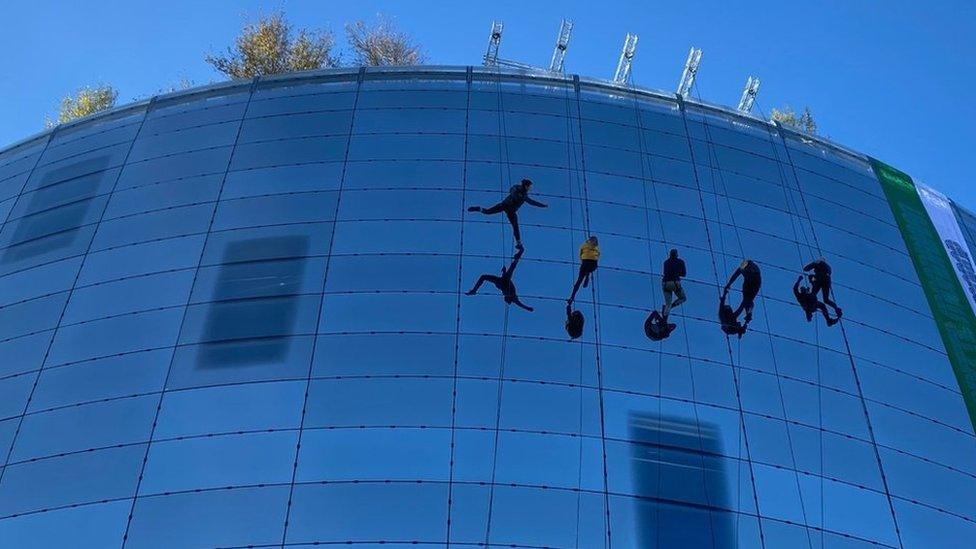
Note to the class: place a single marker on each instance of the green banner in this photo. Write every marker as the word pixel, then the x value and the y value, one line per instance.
pixel 948 301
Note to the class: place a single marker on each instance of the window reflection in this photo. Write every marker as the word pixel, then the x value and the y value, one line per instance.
pixel 681 482
pixel 56 211
pixel 254 304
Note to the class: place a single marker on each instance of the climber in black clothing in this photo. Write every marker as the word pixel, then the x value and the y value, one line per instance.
pixel 504 283
pixel 517 195
pixel 729 320
pixel 674 270
pixel 657 327
pixel 751 282
pixel 808 300
pixel 820 282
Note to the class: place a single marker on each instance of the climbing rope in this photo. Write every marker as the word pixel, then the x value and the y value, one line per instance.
pixel 595 294
pixel 504 158
pixel 717 169
pixel 847 346
pixel 664 238
pixel 732 361
pixel 790 202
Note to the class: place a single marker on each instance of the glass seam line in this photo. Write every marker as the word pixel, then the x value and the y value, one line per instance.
pixel 457 319
pixel 857 378
pixel 64 307
pixel 728 344
pixel 169 369
pixel 318 320
pixel 596 316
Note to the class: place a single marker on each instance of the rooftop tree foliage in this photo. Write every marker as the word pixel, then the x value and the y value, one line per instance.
pixel 272 46
pixel 789 117
pixel 382 44
pixel 86 101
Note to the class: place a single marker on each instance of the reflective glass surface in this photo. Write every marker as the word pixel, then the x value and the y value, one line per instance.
pixel 237 317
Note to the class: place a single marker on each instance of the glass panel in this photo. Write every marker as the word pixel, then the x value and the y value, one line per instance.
pixel 224 518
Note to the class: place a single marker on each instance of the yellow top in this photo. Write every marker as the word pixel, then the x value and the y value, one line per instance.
pixel 589 251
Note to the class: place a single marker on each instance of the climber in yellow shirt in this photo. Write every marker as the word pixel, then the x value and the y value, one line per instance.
pixel 589 254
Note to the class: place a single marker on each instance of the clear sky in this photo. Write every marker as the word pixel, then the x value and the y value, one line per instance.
pixel 891 78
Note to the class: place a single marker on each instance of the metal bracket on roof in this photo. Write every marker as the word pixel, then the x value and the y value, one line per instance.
pixel 556 64
pixel 626 58
pixel 691 70
pixel 494 41
pixel 562 44
pixel 749 95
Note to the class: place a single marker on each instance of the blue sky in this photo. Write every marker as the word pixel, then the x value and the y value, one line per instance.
pixel 893 79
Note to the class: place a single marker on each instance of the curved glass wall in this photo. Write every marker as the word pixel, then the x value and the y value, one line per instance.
pixel 235 317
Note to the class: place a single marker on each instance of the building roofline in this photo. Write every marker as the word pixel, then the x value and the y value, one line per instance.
pixel 458 70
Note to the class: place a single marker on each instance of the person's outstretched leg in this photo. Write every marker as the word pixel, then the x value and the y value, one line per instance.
pixel 513 219
pixel 497 208
pixel 481 280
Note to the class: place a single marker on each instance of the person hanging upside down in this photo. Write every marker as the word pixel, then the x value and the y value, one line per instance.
pixel 504 283
pixel 674 270
pixel 751 282
pixel 808 300
pixel 589 254
pixel 517 195
pixel 656 327
pixel 729 320
pixel 574 322
pixel 820 282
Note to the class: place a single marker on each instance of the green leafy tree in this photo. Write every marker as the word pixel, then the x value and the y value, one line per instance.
pixel 382 44
pixel 272 46
pixel 789 117
pixel 86 101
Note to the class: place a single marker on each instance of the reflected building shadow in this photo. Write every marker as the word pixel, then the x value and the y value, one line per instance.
pixel 681 483
pixel 255 302
pixel 56 210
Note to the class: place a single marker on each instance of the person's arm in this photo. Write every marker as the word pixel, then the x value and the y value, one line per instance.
pixel 516 301
pixel 681 269
pixel 796 287
pixel 734 276
pixel 655 316
pixel 809 266
pixel 535 203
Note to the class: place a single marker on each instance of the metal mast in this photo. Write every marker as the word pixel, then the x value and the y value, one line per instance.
pixel 626 58
pixel 691 69
pixel 494 41
pixel 749 94
pixel 562 44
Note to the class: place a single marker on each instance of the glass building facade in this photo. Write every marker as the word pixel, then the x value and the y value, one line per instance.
pixel 235 317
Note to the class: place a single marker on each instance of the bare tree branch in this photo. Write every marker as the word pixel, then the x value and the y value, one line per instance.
pixel 382 44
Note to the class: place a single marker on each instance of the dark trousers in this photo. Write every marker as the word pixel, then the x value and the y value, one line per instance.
pixel 511 213
pixel 823 286
pixel 587 266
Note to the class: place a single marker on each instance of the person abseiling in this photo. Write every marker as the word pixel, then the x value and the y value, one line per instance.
pixel 729 320
pixel 503 283
pixel 656 327
pixel 517 195
pixel 808 300
pixel 674 271
pixel 589 253
pixel 751 282
pixel 574 322
pixel 820 282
